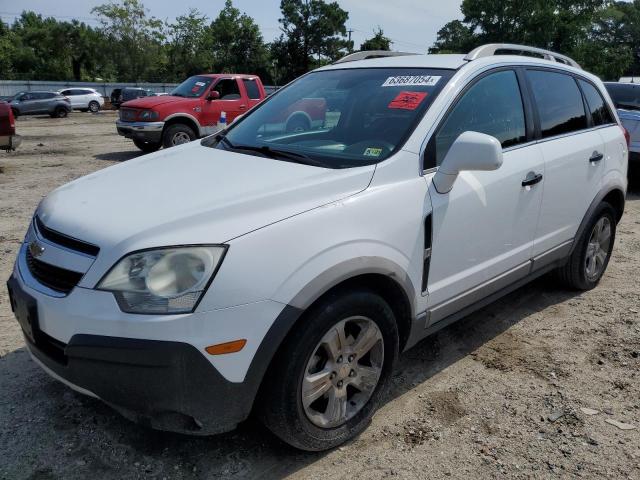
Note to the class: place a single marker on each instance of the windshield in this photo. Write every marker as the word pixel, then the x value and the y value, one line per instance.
pixel 338 118
pixel 192 87
pixel 625 96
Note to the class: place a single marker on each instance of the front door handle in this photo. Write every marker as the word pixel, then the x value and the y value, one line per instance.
pixel 596 156
pixel 532 179
pixel 242 107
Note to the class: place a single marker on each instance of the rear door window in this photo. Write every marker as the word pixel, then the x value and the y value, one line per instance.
pixel 493 105
pixel 559 102
pixel 597 106
pixel 251 86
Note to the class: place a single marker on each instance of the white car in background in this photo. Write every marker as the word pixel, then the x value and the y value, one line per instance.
pixel 84 99
pixel 277 272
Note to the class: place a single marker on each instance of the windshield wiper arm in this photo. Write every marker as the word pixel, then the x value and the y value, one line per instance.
pixel 267 151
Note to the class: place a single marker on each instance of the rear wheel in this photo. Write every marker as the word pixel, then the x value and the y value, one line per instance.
pixel 591 255
pixel 60 112
pixel 327 381
pixel 94 106
pixel 177 134
pixel 147 147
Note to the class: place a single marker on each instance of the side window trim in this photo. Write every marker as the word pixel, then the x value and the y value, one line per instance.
pixel 429 151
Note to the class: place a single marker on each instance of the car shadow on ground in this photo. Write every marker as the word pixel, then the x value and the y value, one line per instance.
pixel 33 406
pixel 118 156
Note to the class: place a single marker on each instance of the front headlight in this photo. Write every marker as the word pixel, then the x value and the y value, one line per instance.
pixel 148 115
pixel 165 280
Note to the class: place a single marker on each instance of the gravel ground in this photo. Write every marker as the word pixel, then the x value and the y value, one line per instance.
pixel 497 395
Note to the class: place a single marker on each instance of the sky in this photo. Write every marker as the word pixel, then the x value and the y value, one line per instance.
pixel 411 24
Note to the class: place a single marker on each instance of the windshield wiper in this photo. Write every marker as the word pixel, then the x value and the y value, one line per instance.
pixel 275 153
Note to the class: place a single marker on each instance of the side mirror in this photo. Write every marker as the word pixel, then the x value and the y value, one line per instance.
pixel 213 95
pixel 472 151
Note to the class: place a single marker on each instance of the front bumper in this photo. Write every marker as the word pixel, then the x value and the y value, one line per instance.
pixel 10 142
pixel 146 131
pixel 152 369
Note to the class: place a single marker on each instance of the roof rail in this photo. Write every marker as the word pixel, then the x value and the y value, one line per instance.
pixel 370 54
pixel 513 49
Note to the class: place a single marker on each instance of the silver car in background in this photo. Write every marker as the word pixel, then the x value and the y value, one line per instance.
pixel 84 99
pixel 37 103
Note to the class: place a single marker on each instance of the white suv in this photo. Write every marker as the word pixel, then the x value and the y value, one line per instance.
pixel 281 273
pixel 85 99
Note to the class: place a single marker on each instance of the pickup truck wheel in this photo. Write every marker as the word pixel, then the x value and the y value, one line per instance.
pixel 177 134
pixel 591 255
pixel 327 381
pixel 60 112
pixel 297 124
pixel 16 113
pixel 147 147
pixel 94 107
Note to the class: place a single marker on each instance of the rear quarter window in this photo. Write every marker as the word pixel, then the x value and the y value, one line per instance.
pixel 600 113
pixel 251 86
pixel 559 102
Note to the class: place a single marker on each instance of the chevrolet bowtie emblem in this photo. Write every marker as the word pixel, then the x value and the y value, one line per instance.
pixel 35 249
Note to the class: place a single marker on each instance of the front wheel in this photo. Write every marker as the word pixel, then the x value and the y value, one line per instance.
pixel 94 107
pixel 177 134
pixel 147 147
pixel 327 381
pixel 591 255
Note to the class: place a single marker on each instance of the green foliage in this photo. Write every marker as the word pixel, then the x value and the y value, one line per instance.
pixel 377 42
pixel 313 34
pixel 134 40
pixel 187 51
pixel 235 44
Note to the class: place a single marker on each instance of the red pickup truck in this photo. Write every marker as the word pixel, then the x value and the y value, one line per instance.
pixel 191 111
pixel 8 138
pixel 194 108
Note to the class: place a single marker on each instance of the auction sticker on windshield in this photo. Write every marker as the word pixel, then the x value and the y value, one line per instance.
pixel 412 81
pixel 407 100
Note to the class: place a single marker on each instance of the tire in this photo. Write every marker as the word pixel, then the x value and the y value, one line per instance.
pixel 60 112
pixel 298 123
pixel 177 134
pixel 280 404
pixel 16 113
pixel 583 270
pixel 147 147
pixel 94 106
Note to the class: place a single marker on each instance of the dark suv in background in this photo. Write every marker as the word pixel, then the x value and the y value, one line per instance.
pixel 626 98
pixel 121 95
pixel 37 103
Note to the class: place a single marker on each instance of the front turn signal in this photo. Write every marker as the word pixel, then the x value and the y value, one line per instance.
pixel 227 347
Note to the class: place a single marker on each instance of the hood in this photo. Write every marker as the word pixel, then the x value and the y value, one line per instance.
pixel 151 102
pixel 629 114
pixel 191 194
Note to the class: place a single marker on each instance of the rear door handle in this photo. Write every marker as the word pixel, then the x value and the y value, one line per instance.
pixel 532 179
pixel 242 107
pixel 596 156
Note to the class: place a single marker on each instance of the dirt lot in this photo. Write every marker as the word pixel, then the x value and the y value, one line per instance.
pixel 478 400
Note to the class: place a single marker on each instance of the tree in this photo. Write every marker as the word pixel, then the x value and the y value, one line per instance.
pixel 135 40
pixel 313 33
pixel 377 42
pixel 235 43
pixel 592 31
pixel 187 51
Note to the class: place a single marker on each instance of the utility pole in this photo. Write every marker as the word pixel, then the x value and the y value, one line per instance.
pixel 350 32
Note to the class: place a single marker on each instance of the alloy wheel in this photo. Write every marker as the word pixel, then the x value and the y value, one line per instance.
pixel 179 138
pixel 598 248
pixel 342 372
